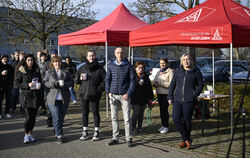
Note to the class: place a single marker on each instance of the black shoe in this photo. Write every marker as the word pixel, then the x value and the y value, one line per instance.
pixel 59 140
pixel 112 142
pixel 129 143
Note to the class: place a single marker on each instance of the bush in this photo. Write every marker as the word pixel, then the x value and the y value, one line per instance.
pixel 224 88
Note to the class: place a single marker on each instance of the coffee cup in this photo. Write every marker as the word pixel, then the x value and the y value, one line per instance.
pixel 38 85
pixel 141 82
pixel 84 76
pixel 5 72
pixel 61 83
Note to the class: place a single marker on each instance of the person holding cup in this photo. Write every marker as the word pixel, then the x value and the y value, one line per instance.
pixel 6 84
pixel 58 81
pixel 142 95
pixel 27 77
pixel 91 78
pixel 162 82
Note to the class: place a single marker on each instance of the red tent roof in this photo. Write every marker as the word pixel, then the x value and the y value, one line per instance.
pixel 219 22
pixel 113 29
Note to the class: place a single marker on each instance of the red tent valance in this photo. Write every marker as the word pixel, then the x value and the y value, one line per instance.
pixel 113 29
pixel 214 23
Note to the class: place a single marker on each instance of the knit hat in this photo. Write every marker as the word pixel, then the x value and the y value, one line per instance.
pixel 43 54
pixel 53 51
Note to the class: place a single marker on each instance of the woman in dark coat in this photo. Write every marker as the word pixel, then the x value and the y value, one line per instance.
pixel 91 78
pixel 185 87
pixel 142 95
pixel 28 80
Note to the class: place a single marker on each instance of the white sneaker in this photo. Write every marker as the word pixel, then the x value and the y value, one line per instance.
pixel 8 116
pixel 74 102
pixel 31 138
pixel 161 128
pixel 26 139
pixel 164 130
pixel 0 116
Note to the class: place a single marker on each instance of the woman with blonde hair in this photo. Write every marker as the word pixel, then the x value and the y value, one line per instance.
pixel 162 82
pixel 186 86
pixel 58 81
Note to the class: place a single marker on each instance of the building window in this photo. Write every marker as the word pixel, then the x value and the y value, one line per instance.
pixel 51 42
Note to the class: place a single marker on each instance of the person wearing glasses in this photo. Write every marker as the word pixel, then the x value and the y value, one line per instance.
pixel 186 86
pixel 162 82
pixel 142 95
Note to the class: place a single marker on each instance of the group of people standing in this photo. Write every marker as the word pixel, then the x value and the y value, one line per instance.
pixel 126 85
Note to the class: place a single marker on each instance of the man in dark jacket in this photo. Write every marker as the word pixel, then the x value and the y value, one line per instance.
pixel 120 84
pixel 6 84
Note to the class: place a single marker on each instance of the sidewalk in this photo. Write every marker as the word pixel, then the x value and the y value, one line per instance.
pixel 148 144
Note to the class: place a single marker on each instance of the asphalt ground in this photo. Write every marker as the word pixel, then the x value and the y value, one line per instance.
pixel 148 144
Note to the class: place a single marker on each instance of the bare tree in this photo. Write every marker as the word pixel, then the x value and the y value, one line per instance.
pixel 38 19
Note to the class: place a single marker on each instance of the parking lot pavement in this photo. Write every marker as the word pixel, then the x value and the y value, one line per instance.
pixel 150 143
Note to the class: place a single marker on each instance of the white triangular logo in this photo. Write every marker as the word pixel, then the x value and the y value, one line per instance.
pixel 217 35
pixel 248 12
pixel 192 17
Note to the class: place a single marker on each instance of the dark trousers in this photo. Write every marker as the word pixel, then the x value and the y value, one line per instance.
pixel 42 102
pixel 30 119
pixel 85 111
pixel 5 91
pixel 163 103
pixel 138 115
pixel 182 116
pixel 14 98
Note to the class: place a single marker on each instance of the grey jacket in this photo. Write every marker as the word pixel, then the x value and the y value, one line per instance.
pixel 50 81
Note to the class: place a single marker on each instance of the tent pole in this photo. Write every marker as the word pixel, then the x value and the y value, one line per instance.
pixel 231 87
pixel 213 77
pixel 129 53
pixel 58 47
pixel 132 55
pixel 106 63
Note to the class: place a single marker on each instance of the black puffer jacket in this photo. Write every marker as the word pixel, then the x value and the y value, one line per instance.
pixel 142 94
pixel 94 85
pixel 186 85
pixel 28 98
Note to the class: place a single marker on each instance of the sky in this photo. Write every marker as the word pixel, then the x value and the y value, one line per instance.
pixel 105 7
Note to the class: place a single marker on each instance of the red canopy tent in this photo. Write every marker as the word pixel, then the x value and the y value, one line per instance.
pixel 113 29
pixel 214 23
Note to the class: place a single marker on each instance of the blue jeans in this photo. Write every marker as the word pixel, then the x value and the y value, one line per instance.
pixel 58 112
pixel 72 93
pixel 182 116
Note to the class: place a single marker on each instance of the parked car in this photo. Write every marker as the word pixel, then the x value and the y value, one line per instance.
pixel 73 61
pixel 221 72
pixel 203 61
pixel 149 63
pixel 101 62
pixel 240 77
pixel 246 63
pixel 174 64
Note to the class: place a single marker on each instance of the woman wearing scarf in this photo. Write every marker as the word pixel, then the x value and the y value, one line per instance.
pixel 142 95
pixel 162 82
pixel 91 78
